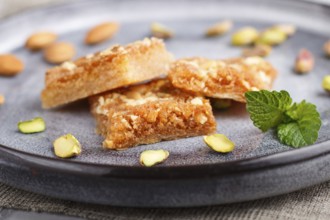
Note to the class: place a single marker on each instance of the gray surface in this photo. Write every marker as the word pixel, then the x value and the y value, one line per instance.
pixel 23 102
pixel 11 214
pixel 22 92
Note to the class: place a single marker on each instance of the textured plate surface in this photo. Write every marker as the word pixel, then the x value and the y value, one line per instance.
pixel 189 21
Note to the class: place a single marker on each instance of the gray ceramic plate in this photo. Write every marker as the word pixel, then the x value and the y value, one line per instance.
pixel 193 175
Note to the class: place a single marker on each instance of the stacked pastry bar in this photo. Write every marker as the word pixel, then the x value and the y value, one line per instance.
pixel 149 113
pixel 163 109
pixel 225 79
pixel 95 73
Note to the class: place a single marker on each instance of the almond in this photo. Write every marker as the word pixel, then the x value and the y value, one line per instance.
pixel 101 32
pixel 40 40
pixel 10 65
pixel 2 99
pixel 59 52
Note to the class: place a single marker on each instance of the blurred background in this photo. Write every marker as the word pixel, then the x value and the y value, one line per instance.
pixel 8 7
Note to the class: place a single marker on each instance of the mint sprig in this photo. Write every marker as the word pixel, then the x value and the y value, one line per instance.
pixel 297 124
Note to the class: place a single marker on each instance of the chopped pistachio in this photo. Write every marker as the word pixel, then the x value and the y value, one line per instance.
pixel 219 28
pixel 288 29
pixel 326 48
pixel 67 146
pixel 149 158
pixel 304 61
pixel 160 31
pixel 244 36
pixel 271 37
pixel 32 126
pixel 2 99
pixel 261 50
pixel 221 104
pixel 219 143
pixel 326 83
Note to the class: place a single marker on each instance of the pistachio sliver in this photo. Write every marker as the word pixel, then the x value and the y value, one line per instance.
pixel 326 48
pixel 32 126
pixel 160 31
pixel 219 28
pixel 244 36
pixel 288 29
pixel 326 83
pixel 67 146
pixel 219 143
pixel 271 37
pixel 261 50
pixel 304 62
pixel 149 158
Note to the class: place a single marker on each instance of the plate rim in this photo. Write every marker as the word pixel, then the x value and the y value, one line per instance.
pixel 162 172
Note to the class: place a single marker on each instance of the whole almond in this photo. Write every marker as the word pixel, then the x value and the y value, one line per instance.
pixel 10 65
pixel 40 40
pixel 101 32
pixel 59 52
pixel 2 99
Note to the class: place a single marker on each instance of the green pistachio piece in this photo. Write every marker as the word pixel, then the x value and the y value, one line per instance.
pixel 288 29
pixel 326 48
pixel 304 62
pixel 219 143
pixel 160 31
pixel 67 146
pixel 219 28
pixel 271 37
pixel 326 83
pixel 261 50
pixel 244 36
pixel 221 104
pixel 32 126
pixel 149 158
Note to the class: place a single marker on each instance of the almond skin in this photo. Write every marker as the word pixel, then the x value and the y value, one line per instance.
pixel 10 65
pixel 101 32
pixel 40 40
pixel 59 52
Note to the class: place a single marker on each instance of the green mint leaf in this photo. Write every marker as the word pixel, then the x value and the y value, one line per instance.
pixel 304 127
pixel 267 109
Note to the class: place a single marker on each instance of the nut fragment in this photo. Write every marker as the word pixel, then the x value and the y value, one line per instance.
pixel 32 126
pixel 160 31
pixel 67 146
pixel 304 61
pixel 10 65
pixel 219 143
pixel 59 52
pixel 244 36
pixel 326 83
pixel 2 99
pixel 261 50
pixel 101 32
pixel 271 37
pixel 219 28
pixel 326 48
pixel 40 40
pixel 149 158
pixel 288 29
pixel 221 104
